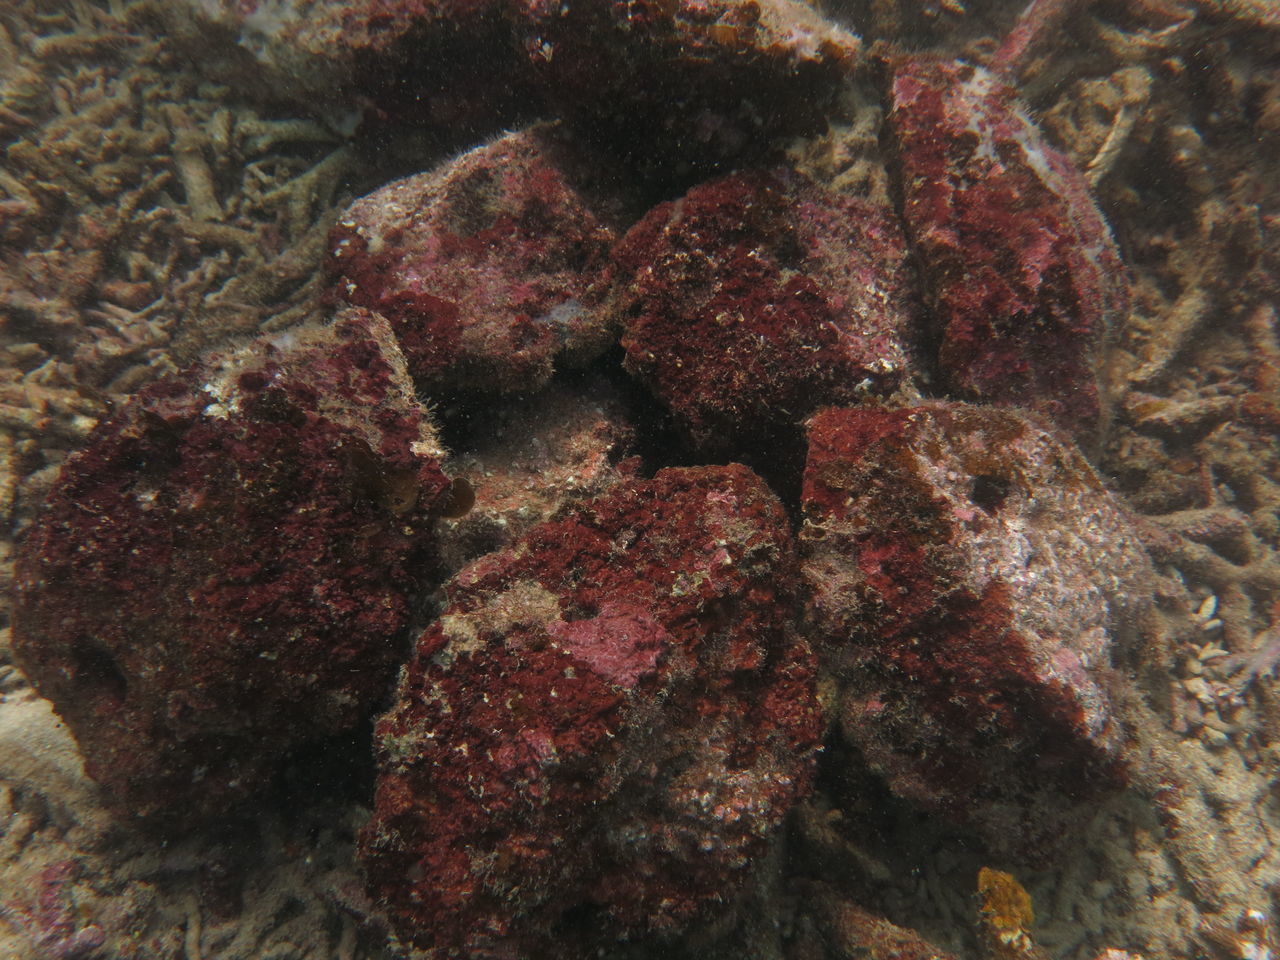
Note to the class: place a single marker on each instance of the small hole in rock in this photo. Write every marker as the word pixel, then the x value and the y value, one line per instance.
pixel 989 492
pixel 96 671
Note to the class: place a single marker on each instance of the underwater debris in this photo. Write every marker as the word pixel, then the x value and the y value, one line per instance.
pixel 1249 666
pixel 850 931
pixel 675 85
pixel 50 922
pixel 1098 121
pixel 1005 917
pixel 609 719
pixel 334 56
pixel 530 461
pixel 1224 232
pixel 1249 938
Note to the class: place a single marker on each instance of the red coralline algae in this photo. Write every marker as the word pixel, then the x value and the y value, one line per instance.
pixel 602 731
pixel 51 922
pixel 685 82
pixel 1025 279
pixel 484 266
pixel 222 573
pixel 760 296
pixel 971 580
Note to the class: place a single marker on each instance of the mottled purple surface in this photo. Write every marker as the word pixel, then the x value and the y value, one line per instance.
pixel 484 266
pixel 760 296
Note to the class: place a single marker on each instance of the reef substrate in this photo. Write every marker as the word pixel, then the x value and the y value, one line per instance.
pixel 639 479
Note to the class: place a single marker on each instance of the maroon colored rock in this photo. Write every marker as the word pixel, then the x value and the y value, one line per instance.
pixel 972 581
pixel 484 266
pixel 602 731
pixel 1025 279
pixel 674 83
pixel 221 574
pixel 530 460
pixel 759 297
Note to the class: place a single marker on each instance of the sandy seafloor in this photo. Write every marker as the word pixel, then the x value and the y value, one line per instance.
pixel 114 270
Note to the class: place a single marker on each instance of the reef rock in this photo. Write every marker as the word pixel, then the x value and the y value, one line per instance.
pixel 759 297
pixel 972 581
pixel 449 61
pixel 527 461
pixel 602 731
pixel 1025 279
pixel 221 574
pixel 684 83
pixel 850 931
pixel 484 266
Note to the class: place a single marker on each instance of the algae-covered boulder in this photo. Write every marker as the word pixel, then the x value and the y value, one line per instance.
pixel 600 736
pixel 974 585
pixel 222 573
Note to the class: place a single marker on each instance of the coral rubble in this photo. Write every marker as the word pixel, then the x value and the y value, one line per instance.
pixel 685 82
pixel 145 215
pixel 530 461
pixel 328 53
pixel 603 730
pixel 260 508
pixel 1005 917
pixel 850 931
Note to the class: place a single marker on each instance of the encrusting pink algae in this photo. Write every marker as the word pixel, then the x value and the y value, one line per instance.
pixel 701 482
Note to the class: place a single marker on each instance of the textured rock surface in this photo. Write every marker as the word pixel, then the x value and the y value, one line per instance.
pixel 457 52
pixel 759 297
pixel 528 461
pixel 483 265
pixel 1025 279
pixel 850 931
pixel 221 574
pixel 149 213
pixel 973 581
pixel 603 729
pixel 685 82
